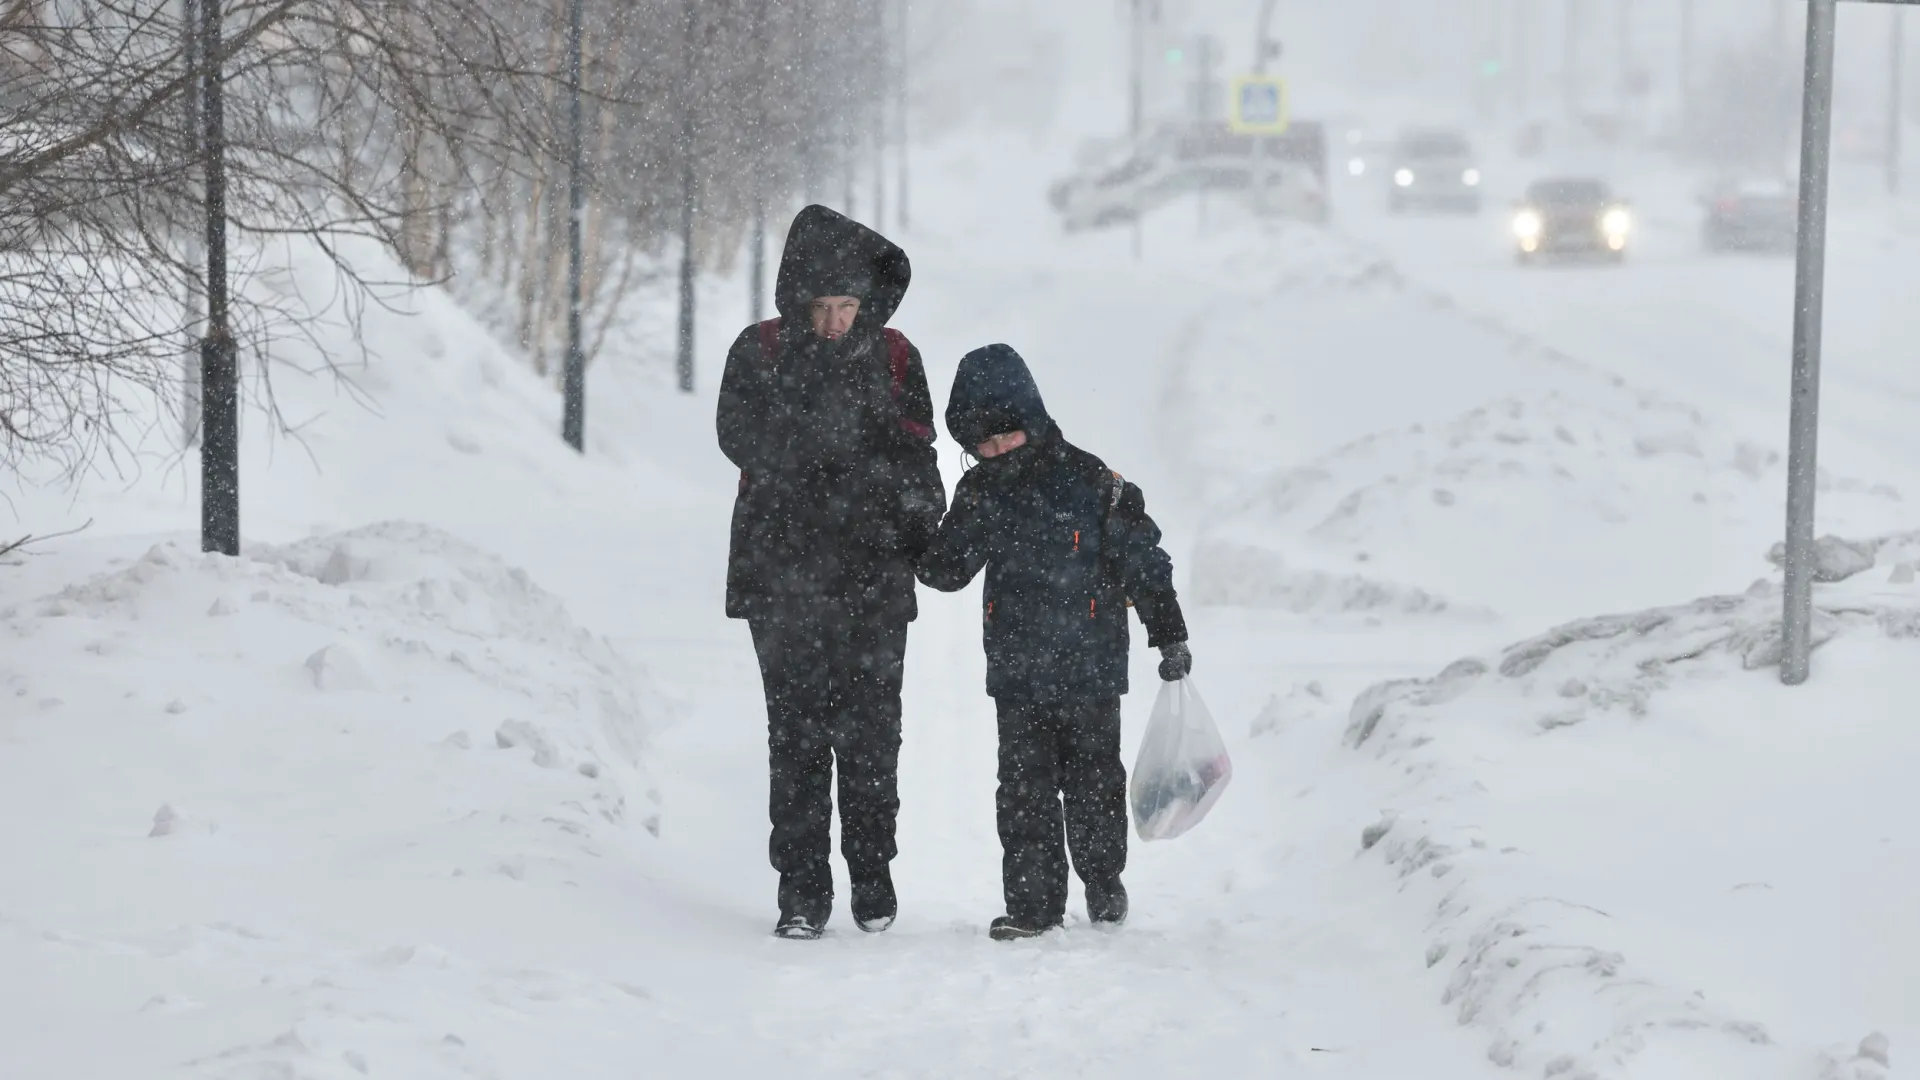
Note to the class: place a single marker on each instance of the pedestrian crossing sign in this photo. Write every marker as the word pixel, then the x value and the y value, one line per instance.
pixel 1259 105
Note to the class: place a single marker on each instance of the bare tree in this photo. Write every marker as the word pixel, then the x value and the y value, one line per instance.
pixel 429 126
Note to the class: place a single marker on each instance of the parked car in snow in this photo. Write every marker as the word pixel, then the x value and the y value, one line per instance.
pixel 1751 215
pixel 1433 168
pixel 1571 216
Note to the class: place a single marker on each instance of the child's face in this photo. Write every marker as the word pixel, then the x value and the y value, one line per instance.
pixel 1000 444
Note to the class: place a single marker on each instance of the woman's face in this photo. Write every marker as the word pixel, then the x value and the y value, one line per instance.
pixel 833 315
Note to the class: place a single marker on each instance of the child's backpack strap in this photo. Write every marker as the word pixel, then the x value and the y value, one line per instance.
pixel 1116 489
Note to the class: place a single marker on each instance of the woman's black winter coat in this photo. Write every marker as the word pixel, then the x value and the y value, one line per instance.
pixel 840 487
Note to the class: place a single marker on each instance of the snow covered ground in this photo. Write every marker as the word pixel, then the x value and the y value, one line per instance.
pixel 460 772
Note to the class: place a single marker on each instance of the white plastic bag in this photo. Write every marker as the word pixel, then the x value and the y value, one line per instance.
pixel 1182 768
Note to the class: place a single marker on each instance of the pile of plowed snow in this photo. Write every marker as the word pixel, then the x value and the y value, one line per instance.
pixel 1503 476
pixel 1645 856
pixel 1555 503
pixel 217 768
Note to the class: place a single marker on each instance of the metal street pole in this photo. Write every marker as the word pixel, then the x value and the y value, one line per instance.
pixel 1686 71
pixel 683 362
pixel 879 118
pixel 1570 59
pixel 219 369
pixel 574 414
pixel 757 265
pixel 1136 105
pixel 196 253
pixel 808 92
pixel 1521 55
pixel 1625 12
pixel 900 108
pixel 1262 36
pixel 1895 113
pixel 1809 283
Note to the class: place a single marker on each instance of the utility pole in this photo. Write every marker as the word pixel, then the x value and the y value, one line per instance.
pixel 1136 103
pixel 879 117
pixel 808 92
pixel 902 66
pixel 1570 60
pixel 1809 295
pixel 573 422
pixel 1687 115
pixel 757 263
pixel 1816 142
pixel 683 362
pixel 1625 11
pixel 1521 55
pixel 1896 115
pixel 1265 49
pixel 849 152
pixel 196 253
pixel 219 369
pixel 1202 97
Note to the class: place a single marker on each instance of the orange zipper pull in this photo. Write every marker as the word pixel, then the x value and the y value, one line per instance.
pixel 1093 608
pixel 1076 539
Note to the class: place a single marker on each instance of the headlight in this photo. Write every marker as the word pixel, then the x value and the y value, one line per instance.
pixel 1616 222
pixel 1404 177
pixel 1357 166
pixel 1527 225
pixel 1471 178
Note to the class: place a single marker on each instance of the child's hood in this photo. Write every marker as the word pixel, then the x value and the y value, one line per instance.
pixel 994 392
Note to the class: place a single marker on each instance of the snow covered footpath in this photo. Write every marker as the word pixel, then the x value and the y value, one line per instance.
pixel 345 824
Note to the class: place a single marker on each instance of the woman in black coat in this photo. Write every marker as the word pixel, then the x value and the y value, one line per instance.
pixel 827 414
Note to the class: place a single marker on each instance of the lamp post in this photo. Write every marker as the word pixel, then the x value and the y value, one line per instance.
pixel 219 375
pixel 574 418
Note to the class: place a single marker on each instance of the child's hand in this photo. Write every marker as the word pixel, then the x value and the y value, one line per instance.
pixel 1176 661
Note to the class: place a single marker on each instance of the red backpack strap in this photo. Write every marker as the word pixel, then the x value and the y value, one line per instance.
pixel 900 364
pixel 770 340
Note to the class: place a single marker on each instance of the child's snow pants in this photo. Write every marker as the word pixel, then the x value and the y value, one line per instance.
pixel 1053 753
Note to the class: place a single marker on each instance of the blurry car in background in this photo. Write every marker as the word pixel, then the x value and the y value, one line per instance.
pixel 1571 216
pixel 1751 215
pixel 1112 196
pixel 1433 168
pixel 1282 175
pixel 1367 156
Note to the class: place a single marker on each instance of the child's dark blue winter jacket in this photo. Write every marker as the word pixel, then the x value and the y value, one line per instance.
pixel 1066 544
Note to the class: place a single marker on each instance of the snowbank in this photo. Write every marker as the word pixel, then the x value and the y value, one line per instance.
pixel 227 781
pixel 1646 858
pixel 1553 489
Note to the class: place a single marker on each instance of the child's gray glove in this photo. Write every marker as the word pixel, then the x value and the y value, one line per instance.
pixel 1176 661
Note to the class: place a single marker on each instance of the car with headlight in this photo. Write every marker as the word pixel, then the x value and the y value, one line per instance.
pixel 1434 168
pixel 1571 216
pixel 1751 215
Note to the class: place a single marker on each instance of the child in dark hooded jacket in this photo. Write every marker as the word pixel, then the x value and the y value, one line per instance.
pixel 1067 547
